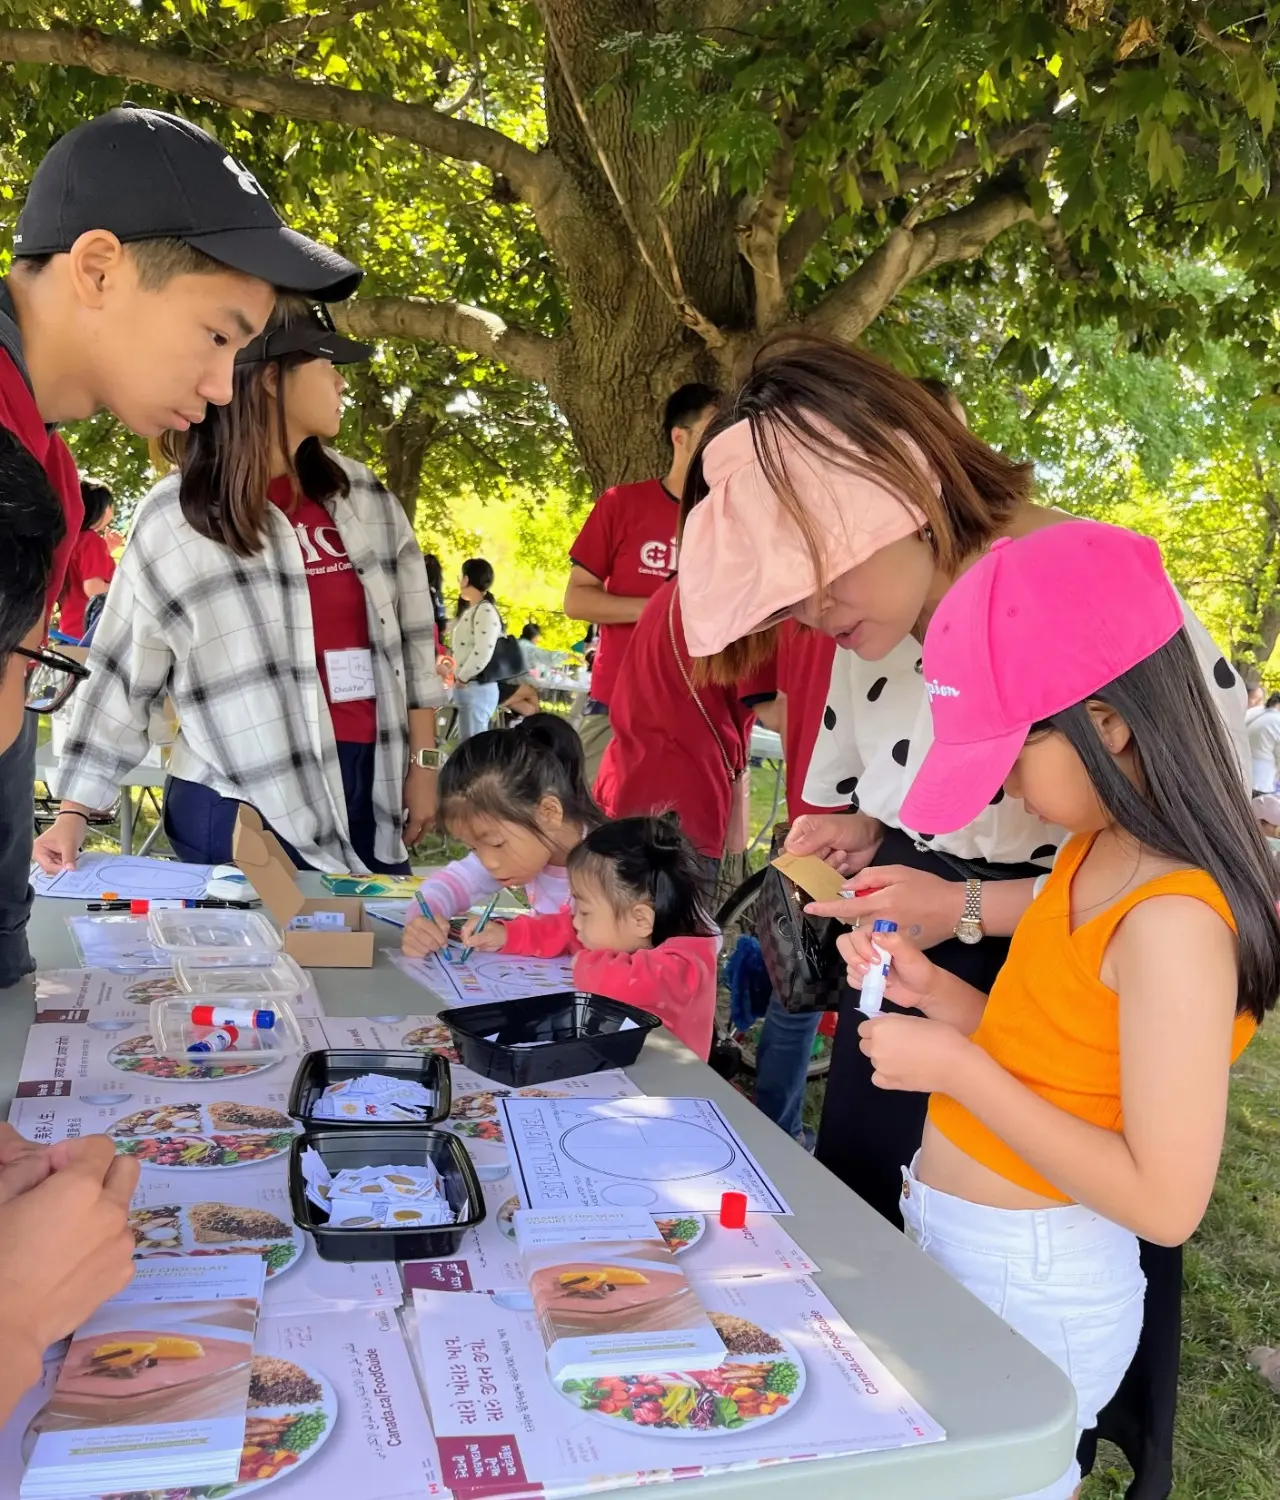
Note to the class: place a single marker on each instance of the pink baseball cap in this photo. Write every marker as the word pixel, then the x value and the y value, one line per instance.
pixel 1035 626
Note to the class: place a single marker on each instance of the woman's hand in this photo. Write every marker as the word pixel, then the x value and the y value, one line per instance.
pixel 57 848
pixel 914 1053
pixel 911 977
pixel 491 938
pixel 424 935
pixel 419 802
pixel 925 907
pixel 846 841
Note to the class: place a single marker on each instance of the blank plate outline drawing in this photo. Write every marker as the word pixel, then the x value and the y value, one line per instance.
pixel 129 876
pixel 588 1145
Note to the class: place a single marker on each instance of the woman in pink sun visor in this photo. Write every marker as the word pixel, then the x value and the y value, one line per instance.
pixel 834 490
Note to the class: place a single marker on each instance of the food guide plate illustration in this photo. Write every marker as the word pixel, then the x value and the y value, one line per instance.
pixel 164 1230
pixel 391 1034
pixel 762 1379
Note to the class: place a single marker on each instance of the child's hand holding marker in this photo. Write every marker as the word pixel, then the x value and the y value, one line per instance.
pixel 911 976
pixel 491 938
pixel 424 932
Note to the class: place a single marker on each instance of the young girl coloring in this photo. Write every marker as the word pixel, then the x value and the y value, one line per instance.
pixel 639 927
pixel 1084 1102
pixel 519 797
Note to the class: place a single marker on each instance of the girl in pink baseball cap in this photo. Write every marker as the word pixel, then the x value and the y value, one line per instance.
pixel 1082 1103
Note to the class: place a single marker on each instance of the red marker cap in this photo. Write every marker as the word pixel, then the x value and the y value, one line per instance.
pixel 733 1211
pixel 139 908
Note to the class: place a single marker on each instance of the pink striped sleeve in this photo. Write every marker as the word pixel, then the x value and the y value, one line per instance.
pixel 458 886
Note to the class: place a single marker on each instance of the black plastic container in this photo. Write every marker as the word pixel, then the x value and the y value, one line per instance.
pixel 562 1035
pixel 320 1069
pixel 344 1147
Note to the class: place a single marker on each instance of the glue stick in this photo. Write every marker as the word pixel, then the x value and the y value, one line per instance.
pixel 225 1015
pixel 874 982
pixel 217 1041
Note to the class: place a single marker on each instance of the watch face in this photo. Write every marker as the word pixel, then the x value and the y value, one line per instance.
pixel 969 931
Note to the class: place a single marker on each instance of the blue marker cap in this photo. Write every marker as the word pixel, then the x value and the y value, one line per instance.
pixel 881 925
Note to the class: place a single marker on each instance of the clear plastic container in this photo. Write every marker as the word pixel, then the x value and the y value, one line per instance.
pixel 173 1031
pixel 281 977
pixel 214 935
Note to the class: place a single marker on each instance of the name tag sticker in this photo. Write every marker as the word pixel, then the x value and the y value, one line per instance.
pixel 350 675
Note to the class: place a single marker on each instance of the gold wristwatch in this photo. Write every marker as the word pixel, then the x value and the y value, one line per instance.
pixel 430 760
pixel 969 928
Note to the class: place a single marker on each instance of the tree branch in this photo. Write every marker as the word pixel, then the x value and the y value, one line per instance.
pixel 534 176
pixel 759 235
pixel 296 27
pixel 810 224
pixel 455 324
pixel 910 253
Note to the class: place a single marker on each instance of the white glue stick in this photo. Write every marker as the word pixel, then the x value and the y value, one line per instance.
pixel 873 984
pixel 221 1040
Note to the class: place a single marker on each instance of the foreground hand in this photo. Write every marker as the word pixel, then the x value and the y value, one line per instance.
pixel 419 803
pixel 913 1053
pixel 925 907
pixel 423 936
pixel 911 976
pixel 65 1244
pixel 491 939
pixel 57 847
pixel 846 841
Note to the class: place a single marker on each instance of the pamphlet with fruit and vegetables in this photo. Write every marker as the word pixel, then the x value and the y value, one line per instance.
pixel 795 1383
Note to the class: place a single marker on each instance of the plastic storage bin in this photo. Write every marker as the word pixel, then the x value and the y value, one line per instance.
pixel 340 1147
pixel 173 1030
pixel 523 1042
pixel 320 1069
pixel 214 935
pixel 281 977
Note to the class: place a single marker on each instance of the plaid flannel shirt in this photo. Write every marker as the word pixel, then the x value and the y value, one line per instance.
pixel 230 639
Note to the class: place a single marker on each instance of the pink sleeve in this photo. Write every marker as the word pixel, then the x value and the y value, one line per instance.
pixel 541 936
pixel 457 886
pixel 675 982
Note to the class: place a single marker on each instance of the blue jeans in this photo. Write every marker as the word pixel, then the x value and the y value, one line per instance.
pixel 199 822
pixel 475 702
pixel 782 1064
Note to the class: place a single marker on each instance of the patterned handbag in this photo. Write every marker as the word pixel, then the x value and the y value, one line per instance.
pixel 800 953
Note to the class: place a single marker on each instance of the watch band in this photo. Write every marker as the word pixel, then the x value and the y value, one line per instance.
pixel 972 902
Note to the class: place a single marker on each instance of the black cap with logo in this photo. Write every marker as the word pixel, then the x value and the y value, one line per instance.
pixel 145 175
pixel 307 332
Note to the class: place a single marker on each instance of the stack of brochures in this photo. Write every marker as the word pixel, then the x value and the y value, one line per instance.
pixel 154 1390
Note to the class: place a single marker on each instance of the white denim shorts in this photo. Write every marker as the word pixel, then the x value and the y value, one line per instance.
pixel 1066 1279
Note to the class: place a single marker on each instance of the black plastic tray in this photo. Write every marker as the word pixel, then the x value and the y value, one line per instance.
pixel 320 1069
pixel 346 1147
pixel 575 1033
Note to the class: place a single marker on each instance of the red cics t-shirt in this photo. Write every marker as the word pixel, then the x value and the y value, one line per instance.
pixel 663 755
pixel 90 558
pixel 339 614
pixel 805 659
pixel 628 542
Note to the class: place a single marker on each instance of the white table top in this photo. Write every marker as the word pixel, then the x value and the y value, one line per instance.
pixel 1008 1412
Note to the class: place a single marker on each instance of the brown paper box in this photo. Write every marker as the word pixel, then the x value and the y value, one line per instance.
pixel 813 875
pixel 270 871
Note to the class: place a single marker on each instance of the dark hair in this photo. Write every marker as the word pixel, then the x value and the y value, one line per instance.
pixel 479 574
pixel 1273 700
pixel 505 774
pixel 98 501
pixel 1190 803
pixel 32 524
pixel 226 459
pixel 648 860
pixel 686 405
pixel 531 631
pixel 798 381
pixel 158 262
pixel 435 573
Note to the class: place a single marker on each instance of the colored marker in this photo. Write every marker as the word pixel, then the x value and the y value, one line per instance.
pixel 480 926
pixel 426 912
pixel 217 1041
pixel 223 1015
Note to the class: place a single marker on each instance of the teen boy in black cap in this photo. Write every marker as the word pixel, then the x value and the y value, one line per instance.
pixel 144 258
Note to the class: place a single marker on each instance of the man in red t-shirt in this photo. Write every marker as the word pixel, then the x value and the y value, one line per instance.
pixel 804 662
pixel 624 553
pixel 130 295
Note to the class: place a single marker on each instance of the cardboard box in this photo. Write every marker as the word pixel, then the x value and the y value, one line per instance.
pixel 271 873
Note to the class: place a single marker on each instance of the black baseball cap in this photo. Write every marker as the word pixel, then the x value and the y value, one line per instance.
pixel 147 175
pixel 309 332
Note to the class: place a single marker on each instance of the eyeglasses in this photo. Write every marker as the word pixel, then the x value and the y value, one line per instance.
pixel 51 679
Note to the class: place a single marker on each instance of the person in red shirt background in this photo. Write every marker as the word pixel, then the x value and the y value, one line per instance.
pixel 678 745
pixel 625 551
pixel 90 566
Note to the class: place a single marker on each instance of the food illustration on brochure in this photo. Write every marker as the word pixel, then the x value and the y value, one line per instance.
pixel 227 1133
pixel 137 1055
pixel 202 1229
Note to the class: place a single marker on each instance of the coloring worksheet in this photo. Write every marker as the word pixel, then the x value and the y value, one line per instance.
pixel 663 1155
pixel 487 976
pixel 127 877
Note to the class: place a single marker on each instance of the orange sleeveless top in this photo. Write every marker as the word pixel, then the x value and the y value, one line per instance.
pixel 1053 1024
